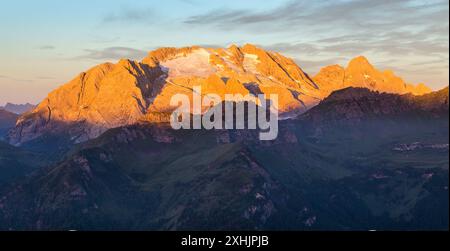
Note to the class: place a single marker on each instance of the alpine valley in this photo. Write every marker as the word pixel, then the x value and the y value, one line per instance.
pixel 358 149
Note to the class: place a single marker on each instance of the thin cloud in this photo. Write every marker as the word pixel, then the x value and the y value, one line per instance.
pixel 317 64
pixel 128 15
pixel 15 79
pixel 113 53
pixel 294 48
pixel 45 78
pixel 47 47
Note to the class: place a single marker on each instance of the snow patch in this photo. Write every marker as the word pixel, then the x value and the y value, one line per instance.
pixel 251 62
pixel 194 64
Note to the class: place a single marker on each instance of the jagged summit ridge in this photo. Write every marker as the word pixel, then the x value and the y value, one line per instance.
pixel 17 108
pixel 361 73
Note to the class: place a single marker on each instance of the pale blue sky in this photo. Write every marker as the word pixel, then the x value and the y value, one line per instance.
pixel 48 42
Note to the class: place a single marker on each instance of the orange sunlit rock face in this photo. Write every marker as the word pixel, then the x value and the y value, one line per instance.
pixel 360 73
pixel 113 95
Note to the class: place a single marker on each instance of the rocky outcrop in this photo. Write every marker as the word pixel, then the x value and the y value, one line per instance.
pixel 360 73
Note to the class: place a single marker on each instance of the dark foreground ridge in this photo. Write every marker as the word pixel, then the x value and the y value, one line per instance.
pixel 360 160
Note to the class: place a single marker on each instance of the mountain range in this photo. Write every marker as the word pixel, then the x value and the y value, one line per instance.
pixel 18 108
pixel 113 95
pixel 357 149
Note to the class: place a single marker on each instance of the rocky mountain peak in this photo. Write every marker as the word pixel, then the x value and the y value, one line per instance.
pixel 360 62
pixel 361 73
pixel 113 95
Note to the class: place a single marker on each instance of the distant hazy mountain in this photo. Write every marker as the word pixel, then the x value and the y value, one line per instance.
pixel 114 95
pixel 359 160
pixel 18 109
pixel 7 121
